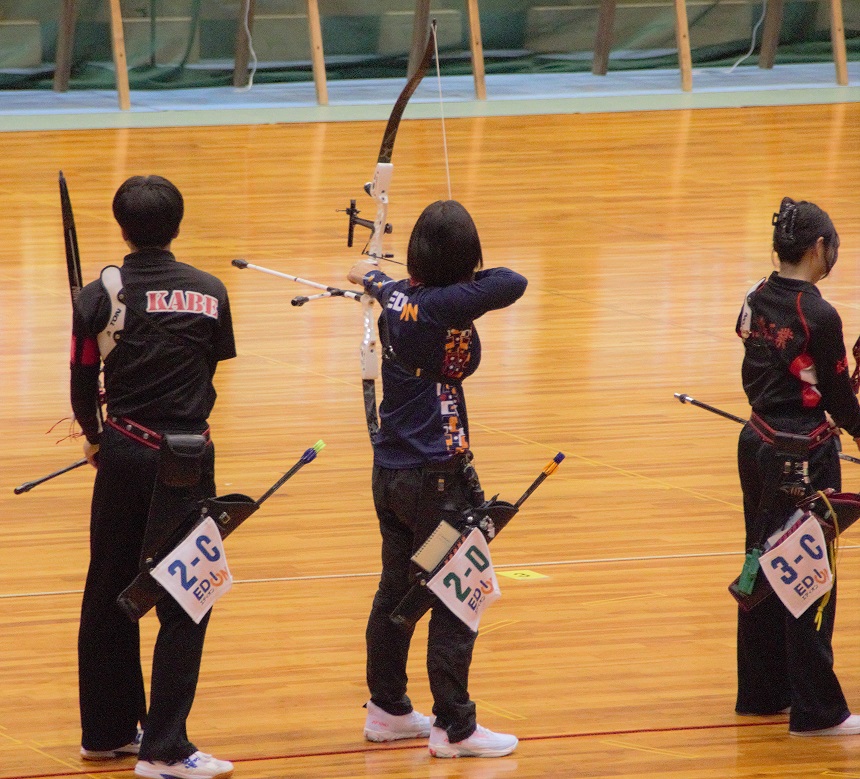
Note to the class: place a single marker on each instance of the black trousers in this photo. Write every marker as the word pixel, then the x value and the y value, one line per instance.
pixel 410 503
pixel 112 695
pixel 783 661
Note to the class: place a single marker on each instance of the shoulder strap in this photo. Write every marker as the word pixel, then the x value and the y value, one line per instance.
pixel 111 278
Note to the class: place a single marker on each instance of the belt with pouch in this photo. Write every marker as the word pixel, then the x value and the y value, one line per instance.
pixel 143 435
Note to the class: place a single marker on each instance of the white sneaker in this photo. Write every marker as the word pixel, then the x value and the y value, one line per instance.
pixel 482 743
pixel 379 725
pixel 849 727
pixel 197 766
pixel 112 754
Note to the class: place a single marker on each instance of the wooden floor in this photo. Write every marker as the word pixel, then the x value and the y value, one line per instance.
pixel 639 234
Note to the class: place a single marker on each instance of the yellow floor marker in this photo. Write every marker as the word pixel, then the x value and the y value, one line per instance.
pixel 522 575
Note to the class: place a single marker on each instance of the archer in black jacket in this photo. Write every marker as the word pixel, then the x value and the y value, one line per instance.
pixel 158 368
pixel 795 372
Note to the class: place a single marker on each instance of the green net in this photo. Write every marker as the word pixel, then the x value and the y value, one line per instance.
pixel 192 43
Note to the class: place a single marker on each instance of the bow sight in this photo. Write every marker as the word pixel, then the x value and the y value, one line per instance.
pixel 355 219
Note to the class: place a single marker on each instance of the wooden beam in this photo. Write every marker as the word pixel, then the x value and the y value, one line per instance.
pixel 603 38
pixel 65 45
pixel 837 36
pixel 476 44
pixel 243 43
pixel 770 34
pixel 682 32
pixel 119 60
pixel 317 58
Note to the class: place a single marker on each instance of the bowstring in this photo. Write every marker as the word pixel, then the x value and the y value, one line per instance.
pixel 442 109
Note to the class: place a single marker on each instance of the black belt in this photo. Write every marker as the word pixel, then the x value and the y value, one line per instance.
pixel 143 435
pixel 453 464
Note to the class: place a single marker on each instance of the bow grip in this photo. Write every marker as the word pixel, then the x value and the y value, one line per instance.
pixel 378 188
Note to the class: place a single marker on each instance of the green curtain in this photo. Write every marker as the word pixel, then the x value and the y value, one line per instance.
pixel 191 43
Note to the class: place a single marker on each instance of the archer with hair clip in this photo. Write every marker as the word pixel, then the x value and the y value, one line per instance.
pixel 795 374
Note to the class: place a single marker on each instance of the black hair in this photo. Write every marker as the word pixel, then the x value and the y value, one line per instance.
pixel 797 227
pixel 149 210
pixel 444 247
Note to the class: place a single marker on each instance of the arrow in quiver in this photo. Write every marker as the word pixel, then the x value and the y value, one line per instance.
pixel 842 512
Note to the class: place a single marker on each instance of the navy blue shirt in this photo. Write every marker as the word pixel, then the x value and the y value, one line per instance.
pixel 423 417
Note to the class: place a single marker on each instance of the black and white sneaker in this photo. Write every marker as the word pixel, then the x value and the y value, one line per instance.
pixel 129 750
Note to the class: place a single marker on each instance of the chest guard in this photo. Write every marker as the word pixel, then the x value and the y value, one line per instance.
pixel 108 338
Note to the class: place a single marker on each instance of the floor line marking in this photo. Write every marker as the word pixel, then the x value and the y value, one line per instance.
pixel 542 564
pixel 485 706
pixel 37 748
pixel 638 748
pixel 498 626
pixel 423 746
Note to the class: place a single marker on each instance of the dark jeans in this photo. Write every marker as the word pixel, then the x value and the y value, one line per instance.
pixel 783 661
pixel 410 503
pixel 112 696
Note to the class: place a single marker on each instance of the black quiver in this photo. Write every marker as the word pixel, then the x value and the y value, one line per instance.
pixel 228 511
pixel 846 511
pixel 490 518
pixel 175 509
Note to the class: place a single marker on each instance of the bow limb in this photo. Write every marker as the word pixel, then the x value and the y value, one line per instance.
pixel 70 236
pixel 379 187
pixel 73 265
pixel 378 190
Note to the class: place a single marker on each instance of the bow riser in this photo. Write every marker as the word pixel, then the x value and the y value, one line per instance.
pixel 378 190
pixel 369 362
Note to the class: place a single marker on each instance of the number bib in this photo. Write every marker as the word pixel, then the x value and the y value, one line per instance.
pixel 195 573
pixel 797 567
pixel 467 584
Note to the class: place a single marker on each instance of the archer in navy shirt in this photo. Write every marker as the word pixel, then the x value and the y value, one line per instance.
pixel 431 331
pixel 423 472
